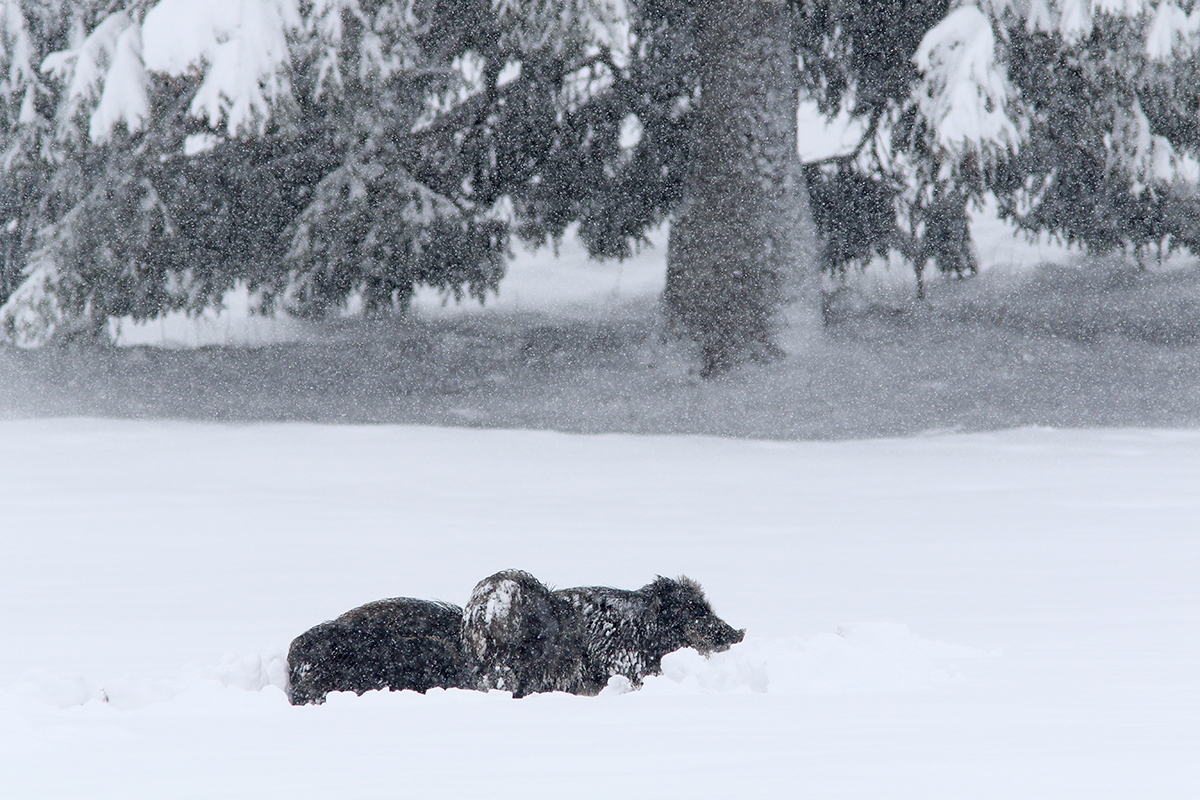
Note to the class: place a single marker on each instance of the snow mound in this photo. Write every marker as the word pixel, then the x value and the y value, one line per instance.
pixel 861 657
pixel 251 673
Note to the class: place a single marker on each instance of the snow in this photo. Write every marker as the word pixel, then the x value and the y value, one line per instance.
pixel 1171 29
pixel 501 600
pixel 242 47
pixel 1126 8
pixel 1011 614
pixel 124 98
pixel 180 35
pixel 1075 22
pixel 965 92
pixel 631 131
pixel 85 70
pixel 998 615
pixel 197 143
pixel 820 137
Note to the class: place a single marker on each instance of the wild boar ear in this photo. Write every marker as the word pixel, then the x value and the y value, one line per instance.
pixel 658 592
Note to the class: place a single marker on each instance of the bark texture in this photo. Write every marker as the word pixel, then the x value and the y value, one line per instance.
pixel 743 244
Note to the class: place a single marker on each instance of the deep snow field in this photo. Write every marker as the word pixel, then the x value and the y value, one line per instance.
pixel 994 615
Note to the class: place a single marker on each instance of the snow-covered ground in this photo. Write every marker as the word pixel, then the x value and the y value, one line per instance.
pixel 1000 615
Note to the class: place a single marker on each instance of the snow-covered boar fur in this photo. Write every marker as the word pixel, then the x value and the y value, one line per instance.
pixel 522 637
pixel 394 644
pixel 519 636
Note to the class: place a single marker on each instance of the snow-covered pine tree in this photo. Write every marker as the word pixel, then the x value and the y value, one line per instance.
pixel 324 136
pixel 720 162
pixel 1112 107
pixel 322 149
pixel 103 248
pixel 884 195
pixel 197 145
pixel 695 122
pixel 68 182
pixel 1081 116
pixel 443 146
pixel 589 111
pixel 29 30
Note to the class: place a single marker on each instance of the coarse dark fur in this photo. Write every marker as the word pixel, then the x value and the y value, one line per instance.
pixel 628 632
pixel 396 644
pixel 518 636
pixel 523 637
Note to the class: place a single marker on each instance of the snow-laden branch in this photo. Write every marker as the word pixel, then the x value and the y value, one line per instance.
pixel 124 98
pixel 1148 157
pixel 242 52
pixel 1072 19
pixel 1172 31
pixel 85 70
pixel 964 92
pixel 31 314
pixel 18 72
pixel 604 23
pixel 240 46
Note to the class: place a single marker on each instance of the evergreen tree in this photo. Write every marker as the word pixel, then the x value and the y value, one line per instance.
pixel 1094 106
pixel 316 150
pixel 887 194
pixel 262 143
pixel 29 31
pixel 1113 111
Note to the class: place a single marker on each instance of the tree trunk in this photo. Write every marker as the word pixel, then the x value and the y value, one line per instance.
pixel 742 246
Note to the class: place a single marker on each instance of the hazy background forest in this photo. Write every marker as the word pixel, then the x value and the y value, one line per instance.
pixel 375 166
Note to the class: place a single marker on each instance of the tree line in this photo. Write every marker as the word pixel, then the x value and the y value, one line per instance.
pixel 157 153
